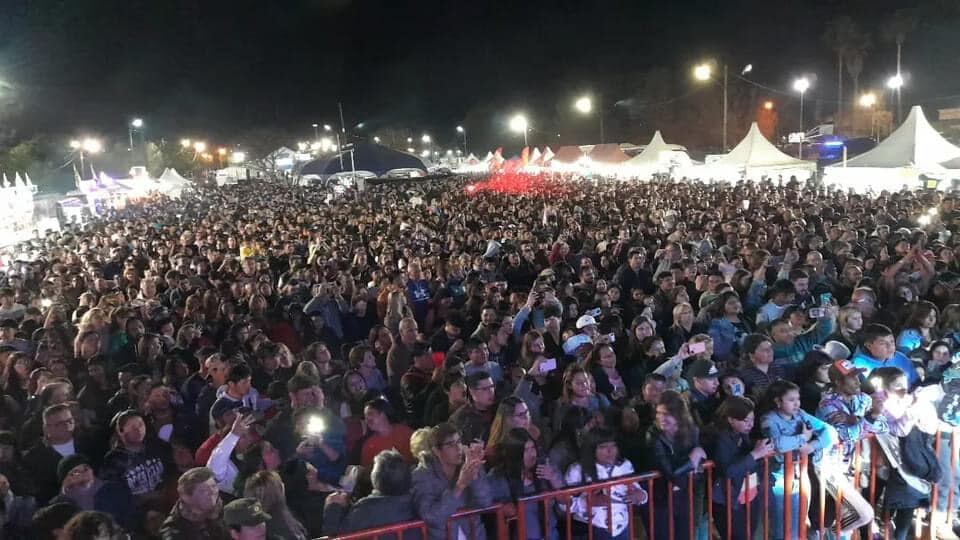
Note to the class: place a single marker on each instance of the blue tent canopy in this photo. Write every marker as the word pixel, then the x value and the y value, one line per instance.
pixel 375 158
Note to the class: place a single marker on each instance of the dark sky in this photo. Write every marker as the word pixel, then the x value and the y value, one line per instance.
pixel 217 68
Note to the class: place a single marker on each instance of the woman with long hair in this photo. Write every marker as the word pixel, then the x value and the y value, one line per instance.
pixel 737 462
pixel 674 443
pixel 384 432
pixel 579 390
pixel 512 413
pixel 600 460
pixel 920 328
pixel 728 326
pixel 86 346
pixel 683 328
pixel 267 487
pixel 602 364
pixel 16 376
pixel 849 323
pixel 516 472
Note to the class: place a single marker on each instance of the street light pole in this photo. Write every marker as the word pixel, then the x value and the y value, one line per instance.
pixel 801 85
pixel 463 132
pixel 724 107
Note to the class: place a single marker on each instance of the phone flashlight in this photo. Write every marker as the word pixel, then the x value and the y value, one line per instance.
pixel 315 426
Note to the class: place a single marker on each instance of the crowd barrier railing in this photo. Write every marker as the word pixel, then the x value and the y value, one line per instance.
pixel 796 502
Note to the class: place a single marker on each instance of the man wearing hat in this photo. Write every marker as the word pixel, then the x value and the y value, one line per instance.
pixel 246 519
pixel 578 347
pixel 222 413
pixel 835 350
pixel 847 408
pixel 587 325
pixel 81 487
pixel 704 380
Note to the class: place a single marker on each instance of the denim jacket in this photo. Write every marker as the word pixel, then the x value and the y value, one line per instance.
pixel 786 434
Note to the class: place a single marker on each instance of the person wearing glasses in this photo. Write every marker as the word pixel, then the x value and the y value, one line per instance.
pixel 474 418
pixel 449 478
pixel 58 442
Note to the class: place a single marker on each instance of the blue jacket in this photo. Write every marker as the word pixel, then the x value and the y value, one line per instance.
pixel 786 434
pixel 862 359
pixel 726 339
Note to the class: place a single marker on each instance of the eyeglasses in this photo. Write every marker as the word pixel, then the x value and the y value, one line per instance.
pixel 484 388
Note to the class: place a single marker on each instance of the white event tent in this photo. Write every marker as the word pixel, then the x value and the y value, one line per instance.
pixel 658 157
pixel 913 149
pixel 172 183
pixel 755 157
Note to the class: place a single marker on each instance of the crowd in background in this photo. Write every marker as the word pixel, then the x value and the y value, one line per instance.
pixel 260 361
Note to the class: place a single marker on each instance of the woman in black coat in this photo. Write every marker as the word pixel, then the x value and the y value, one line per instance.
pixel 675 453
pixel 736 460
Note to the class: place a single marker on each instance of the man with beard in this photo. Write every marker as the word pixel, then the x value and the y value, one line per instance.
pixel 196 516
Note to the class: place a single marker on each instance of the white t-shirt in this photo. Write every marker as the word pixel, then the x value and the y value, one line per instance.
pixel 65 449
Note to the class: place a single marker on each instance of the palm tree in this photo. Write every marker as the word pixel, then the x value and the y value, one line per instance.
pixel 839 35
pixel 895 30
pixel 854 55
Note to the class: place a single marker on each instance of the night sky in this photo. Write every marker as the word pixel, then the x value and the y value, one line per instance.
pixel 218 68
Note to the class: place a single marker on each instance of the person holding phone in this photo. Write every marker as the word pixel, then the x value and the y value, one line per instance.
pixel 740 461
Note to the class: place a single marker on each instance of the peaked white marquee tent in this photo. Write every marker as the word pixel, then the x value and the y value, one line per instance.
pixel 913 149
pixel 657 157
pixel 755 157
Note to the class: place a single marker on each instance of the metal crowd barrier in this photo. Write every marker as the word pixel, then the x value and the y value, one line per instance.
pixel 517 526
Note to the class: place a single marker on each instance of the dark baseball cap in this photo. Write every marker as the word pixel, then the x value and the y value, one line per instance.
pixel 703 369
pixel 244 512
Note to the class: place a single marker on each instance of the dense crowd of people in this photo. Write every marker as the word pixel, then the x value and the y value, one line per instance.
pixel 260 361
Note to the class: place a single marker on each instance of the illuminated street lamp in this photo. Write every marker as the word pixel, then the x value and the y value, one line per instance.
pixel 376 140
pixel 88 145
pixel 185 143
pixel 768 105
pixel 200 146
pixel 519 124
pixel 463 132
pixel 801 85
pixel 316 131
pixel 135 125
pixel 584 105
pixel 703 73
pixel 409 140
pixel 425 139
pixel 868 100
